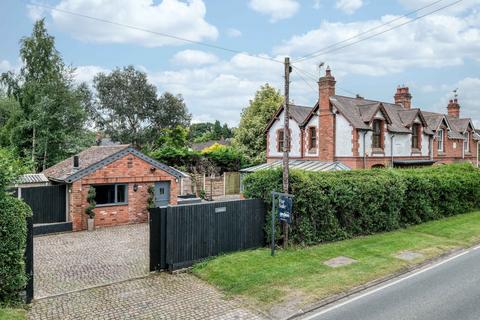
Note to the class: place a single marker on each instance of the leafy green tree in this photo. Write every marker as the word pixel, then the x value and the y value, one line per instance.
pixel 171 112
pixel 176 137
pixel 128 110
pixel 124 101
pixel 202 132
pixel 250 136
pixel 52 116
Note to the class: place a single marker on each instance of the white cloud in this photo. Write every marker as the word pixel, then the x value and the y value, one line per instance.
pixel 86 73
pixel 175 17
pixel 468 96
pixel 234 33
pixel 455 9
pixel 194 58
pixel 276 9
pixel 349 6
pixel 5 66
pixel 221 90
pixel 435 41
pixel 317 4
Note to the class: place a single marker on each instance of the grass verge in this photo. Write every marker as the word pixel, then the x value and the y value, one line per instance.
pixel 12 314
pixel 300 273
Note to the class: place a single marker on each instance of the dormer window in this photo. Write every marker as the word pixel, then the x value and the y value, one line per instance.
pixel 466 142
pixel 440 140
pixel 377 135
pixel 415 136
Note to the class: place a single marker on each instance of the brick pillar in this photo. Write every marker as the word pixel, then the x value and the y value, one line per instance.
pixel 403 97
pixel 326 89
pixel 453 108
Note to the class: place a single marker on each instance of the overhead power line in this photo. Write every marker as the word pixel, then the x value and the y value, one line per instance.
pixel 162 34
pixel 334 47
pixel 309 75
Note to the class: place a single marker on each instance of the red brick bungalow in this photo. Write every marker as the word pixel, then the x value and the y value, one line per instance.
pixel 121 176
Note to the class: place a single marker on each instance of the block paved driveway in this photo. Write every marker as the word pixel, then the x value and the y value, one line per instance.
pixel 104 275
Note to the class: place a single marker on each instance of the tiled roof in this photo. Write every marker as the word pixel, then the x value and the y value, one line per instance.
pixel 359 112
pixel 97 157
pixel 86 158
pixel 202 145
pixel 299 113
pixel 307 165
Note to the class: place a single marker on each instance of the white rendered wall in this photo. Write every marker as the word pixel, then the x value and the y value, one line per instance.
pixel 343 137
pixel 401 145
pixel 295 150
pixel 425 145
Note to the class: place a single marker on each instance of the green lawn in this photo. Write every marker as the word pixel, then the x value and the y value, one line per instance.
pixel 12 314
pixel 299 273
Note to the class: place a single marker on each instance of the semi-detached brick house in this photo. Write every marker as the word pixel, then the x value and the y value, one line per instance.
pixel 121 176
pixel 362 133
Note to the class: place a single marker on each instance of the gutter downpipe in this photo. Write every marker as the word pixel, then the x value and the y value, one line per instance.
pixel 391 147
pixel 364 150
pixel 463 149
pixel 431 147
pixel 478 150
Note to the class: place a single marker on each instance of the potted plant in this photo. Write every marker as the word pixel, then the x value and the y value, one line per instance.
pixel 89 210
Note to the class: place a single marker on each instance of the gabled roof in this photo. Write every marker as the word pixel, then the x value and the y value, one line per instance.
pixel 94 158
pixel 460 125
pixel 434 120
pixel 297 113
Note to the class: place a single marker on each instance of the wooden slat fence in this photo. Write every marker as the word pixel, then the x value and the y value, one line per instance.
pixel 182 235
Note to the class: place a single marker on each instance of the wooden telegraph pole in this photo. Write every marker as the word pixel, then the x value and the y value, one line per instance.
pixel 286 141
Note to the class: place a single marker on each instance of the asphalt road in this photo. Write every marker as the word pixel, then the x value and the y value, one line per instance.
pixel 450 291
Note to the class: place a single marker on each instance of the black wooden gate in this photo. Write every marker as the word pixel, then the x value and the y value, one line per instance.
pixel 29 261
pixel 181 235
pixel 48 203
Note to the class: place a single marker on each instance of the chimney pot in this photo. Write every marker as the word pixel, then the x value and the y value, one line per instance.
pixel 403 97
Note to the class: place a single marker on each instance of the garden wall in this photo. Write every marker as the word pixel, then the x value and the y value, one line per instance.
pixel 331 206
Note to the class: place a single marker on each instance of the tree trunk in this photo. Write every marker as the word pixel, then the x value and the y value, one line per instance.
pixel 33 144
pixel 44 166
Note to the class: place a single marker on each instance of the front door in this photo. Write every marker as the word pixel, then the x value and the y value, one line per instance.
pixel 162 193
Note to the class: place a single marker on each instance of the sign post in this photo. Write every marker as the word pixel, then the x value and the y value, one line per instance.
pixel 284 208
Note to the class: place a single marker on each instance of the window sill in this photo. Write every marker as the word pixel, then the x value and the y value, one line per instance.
pixel 378 151
pixel 111 205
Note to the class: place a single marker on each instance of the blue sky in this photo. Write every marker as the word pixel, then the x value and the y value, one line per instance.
pixel 433 55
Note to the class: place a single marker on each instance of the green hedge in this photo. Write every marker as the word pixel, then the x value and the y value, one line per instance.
pixel 13 231
pixel 331 206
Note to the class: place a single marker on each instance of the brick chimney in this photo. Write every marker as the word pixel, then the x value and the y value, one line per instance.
pixel 403 97
pixel 454 108
pixel 326 89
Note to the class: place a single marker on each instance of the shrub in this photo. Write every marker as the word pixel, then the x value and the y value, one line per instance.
pixel 13 234
pixel 330 206
pixel 91 203
pixel 13 231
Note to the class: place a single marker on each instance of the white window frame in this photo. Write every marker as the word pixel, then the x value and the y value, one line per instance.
pixel 466 142
pixel 440 140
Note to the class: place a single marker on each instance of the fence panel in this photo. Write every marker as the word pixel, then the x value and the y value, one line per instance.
pixel 48 203
pixel 182 235
pixel 232 183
